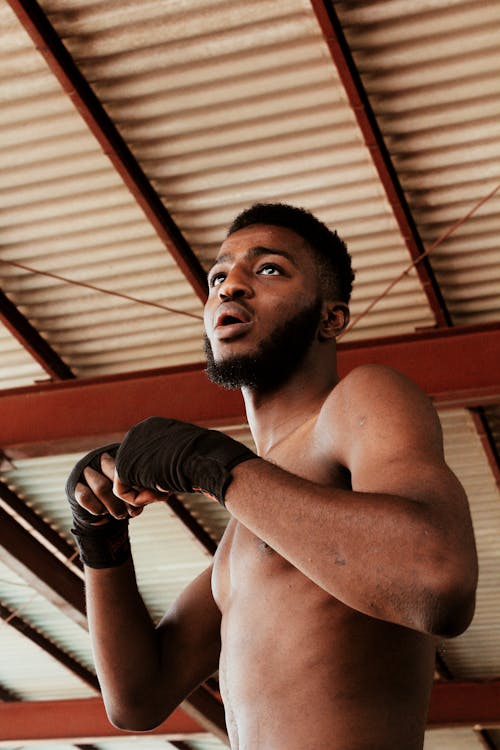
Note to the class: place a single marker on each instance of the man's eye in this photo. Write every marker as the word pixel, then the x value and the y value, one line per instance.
pixel 269 269
pixel 217 279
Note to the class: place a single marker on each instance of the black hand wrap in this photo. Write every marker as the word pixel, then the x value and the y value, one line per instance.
pixel 179 457
pixel 106 545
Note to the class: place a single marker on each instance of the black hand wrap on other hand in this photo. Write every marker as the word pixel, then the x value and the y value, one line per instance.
pixel 179 457
pixel 106 545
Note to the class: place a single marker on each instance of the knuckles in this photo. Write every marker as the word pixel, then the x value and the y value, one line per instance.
pixel 85 497
pixel 98 483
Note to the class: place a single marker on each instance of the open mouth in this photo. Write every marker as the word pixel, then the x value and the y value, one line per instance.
pixel 231 322
pixel 228 320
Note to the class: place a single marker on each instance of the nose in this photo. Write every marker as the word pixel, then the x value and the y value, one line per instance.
pixel 235 285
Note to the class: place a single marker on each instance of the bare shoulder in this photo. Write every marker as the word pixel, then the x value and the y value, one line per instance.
pixel 372 379
pixel 378 406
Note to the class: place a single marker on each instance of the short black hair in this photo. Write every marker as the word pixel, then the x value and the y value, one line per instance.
pixel 333 259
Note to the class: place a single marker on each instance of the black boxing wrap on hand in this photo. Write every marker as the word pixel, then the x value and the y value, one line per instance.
pixel 179 457
pixel 104 545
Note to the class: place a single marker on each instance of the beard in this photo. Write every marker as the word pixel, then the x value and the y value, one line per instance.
pixel 278 356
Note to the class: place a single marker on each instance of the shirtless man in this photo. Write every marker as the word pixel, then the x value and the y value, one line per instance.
pixel 350 548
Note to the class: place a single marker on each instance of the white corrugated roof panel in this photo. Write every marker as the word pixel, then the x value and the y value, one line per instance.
pixel 32 607
pixel 432 74
pixel 226 104
pixel 452 739
pixel 33 674
pixel 68 213
pixel 476 653
pixel 145 742
pixel 17 367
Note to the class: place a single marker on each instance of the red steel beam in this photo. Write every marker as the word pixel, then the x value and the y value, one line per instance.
pixel 32 341
pixel 102 409
pixel 457 367
pixel 474 704
pixel 367 121
pixel 79 720
pixel 453 704
pixel 61 63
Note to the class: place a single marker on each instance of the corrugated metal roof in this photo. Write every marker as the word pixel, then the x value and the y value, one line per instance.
pixel 458 739
pixel 476 653
pixel 17 367
pixel 68 212
pixel 432 74
pixel 217 104
pixel 223 104
pixel 32 607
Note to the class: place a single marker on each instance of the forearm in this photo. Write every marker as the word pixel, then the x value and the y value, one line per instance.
pixel 378 553
pixel 124 643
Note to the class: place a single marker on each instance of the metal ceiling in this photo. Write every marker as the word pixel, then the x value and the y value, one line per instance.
pixel 126 147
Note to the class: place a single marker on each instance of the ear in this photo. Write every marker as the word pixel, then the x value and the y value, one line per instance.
pixel 334 319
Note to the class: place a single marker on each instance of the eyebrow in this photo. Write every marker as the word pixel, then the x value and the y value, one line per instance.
pixel 256 252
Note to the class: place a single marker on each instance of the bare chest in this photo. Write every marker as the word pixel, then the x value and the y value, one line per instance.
pixel 245 564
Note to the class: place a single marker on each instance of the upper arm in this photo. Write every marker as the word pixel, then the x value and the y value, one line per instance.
pixel 393 439
pixel 393 445
pixel 189 639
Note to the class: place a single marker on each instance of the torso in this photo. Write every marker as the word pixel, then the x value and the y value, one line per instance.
pixel 298 668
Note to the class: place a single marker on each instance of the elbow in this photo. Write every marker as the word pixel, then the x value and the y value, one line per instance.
pixel 130 723
pixel 450 607
pixel 134 717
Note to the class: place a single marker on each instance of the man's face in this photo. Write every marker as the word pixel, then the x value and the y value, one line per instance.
pixel 263 309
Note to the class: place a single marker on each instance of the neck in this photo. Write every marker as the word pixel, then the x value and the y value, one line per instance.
pixel 274 415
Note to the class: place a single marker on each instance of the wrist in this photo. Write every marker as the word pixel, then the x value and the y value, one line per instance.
pixel 102 546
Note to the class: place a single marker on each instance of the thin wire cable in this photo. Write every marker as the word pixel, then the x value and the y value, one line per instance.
pixel 412 265
pixel 16 612
pixel 353 323
pixel 94 288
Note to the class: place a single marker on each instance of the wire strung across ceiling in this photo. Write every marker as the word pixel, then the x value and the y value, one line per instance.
pixel 414 262
pixel 95 288
pixel 176 311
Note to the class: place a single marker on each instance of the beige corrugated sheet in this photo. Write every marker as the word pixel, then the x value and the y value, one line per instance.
pixel 432 72
pixel 476 653
pixel 452 739
pixel 17 367
pixel 222 105
pixel 66 211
